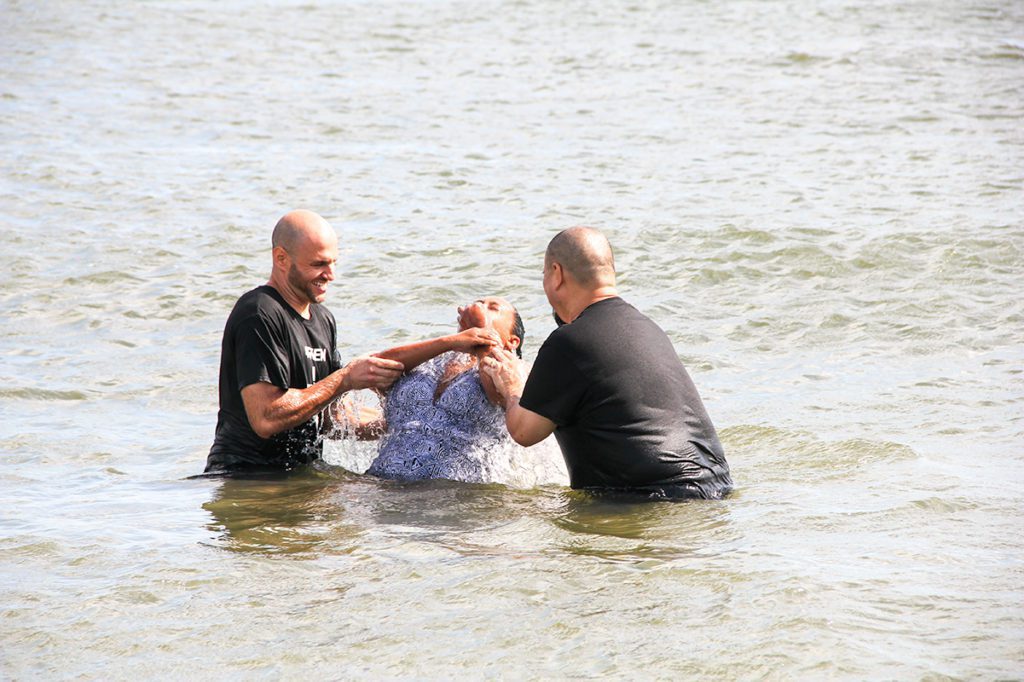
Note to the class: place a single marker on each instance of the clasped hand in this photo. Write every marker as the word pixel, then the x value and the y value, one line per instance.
pixel 476 338
pixel 368 371
pixel 505 370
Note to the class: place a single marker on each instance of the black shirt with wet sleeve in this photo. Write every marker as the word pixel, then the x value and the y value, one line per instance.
pixel 627 414
pixel 266 340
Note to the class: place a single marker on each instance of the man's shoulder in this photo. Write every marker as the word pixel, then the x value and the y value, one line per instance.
pixel 320 311
pixel 562 338
pixel 616 316
pixel 258 297
pixel 564 350
pixel 601 321
pixel 615 307
pixel 260 303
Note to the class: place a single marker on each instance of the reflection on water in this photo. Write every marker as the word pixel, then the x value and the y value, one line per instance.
pixel 632 530
pixel 324 508
pixel 288 515
pixel 327 511
pixel 439 506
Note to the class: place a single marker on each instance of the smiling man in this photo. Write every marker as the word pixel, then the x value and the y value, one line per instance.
pixel 278 372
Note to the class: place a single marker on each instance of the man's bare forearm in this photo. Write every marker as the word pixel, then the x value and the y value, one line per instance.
pixel 513 417
pixel 273 410
pixel 526 427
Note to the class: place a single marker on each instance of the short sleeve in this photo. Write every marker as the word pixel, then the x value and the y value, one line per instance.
pixel 259 354
pixel 555 387
pixel 335 360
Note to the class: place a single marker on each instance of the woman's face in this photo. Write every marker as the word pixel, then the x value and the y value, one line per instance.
pixel 491 312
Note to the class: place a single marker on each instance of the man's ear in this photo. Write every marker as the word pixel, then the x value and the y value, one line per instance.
pixel 557 274
pixel 281 258
pixel 514 341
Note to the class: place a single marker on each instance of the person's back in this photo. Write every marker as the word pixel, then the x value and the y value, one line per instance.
pixel 628 414
pixel 609 385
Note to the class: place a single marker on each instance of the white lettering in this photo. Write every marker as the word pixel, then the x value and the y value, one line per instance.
pixel 316 354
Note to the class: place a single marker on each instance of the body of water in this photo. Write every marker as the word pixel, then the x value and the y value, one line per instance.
pixel 821 202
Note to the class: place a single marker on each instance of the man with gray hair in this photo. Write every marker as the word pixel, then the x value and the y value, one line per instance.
pixel 609 385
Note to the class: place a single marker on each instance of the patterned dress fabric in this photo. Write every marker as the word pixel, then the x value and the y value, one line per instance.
pixel 460 437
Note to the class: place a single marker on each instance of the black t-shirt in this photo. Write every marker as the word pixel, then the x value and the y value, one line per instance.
pixel 266 340
pixel 627 413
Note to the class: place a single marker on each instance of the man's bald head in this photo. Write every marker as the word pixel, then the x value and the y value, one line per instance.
pixel 585 254
pixel 298 227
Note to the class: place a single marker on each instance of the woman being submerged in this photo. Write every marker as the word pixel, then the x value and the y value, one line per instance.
pixel 443 419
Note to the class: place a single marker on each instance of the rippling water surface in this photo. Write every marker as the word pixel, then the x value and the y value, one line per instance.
pixel 821 202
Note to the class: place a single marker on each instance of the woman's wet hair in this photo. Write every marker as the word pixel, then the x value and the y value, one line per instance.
pixel 518 329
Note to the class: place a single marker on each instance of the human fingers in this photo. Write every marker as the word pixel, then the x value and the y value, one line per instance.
pixel 492 369
pixel 475 337
pixel 380 377
pixel 490 339
pixel 502 355
pixel 483 336
pixel 385 364
pixel 384 376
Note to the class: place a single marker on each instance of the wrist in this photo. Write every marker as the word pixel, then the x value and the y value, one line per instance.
pixel 516 389
pixel 344 382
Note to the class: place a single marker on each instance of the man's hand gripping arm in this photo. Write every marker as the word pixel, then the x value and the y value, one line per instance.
pixel 525 426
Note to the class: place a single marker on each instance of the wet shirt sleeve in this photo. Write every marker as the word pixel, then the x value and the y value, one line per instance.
pixel 555 386
pixel 335 361
pixel 259 354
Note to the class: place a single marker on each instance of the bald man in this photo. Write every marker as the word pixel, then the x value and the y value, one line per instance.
pixel 278 371
pixel 609 385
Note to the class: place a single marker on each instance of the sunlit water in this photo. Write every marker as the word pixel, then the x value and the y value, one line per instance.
pixel 821 202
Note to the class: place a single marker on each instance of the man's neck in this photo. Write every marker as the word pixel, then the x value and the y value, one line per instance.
pixel 296 303
pixel 588 299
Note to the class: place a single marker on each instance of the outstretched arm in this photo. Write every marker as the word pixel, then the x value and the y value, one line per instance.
pixel 272 409
pixel 525 426
pixel 418 352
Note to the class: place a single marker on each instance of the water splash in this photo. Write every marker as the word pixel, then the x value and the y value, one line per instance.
pixel 504 462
